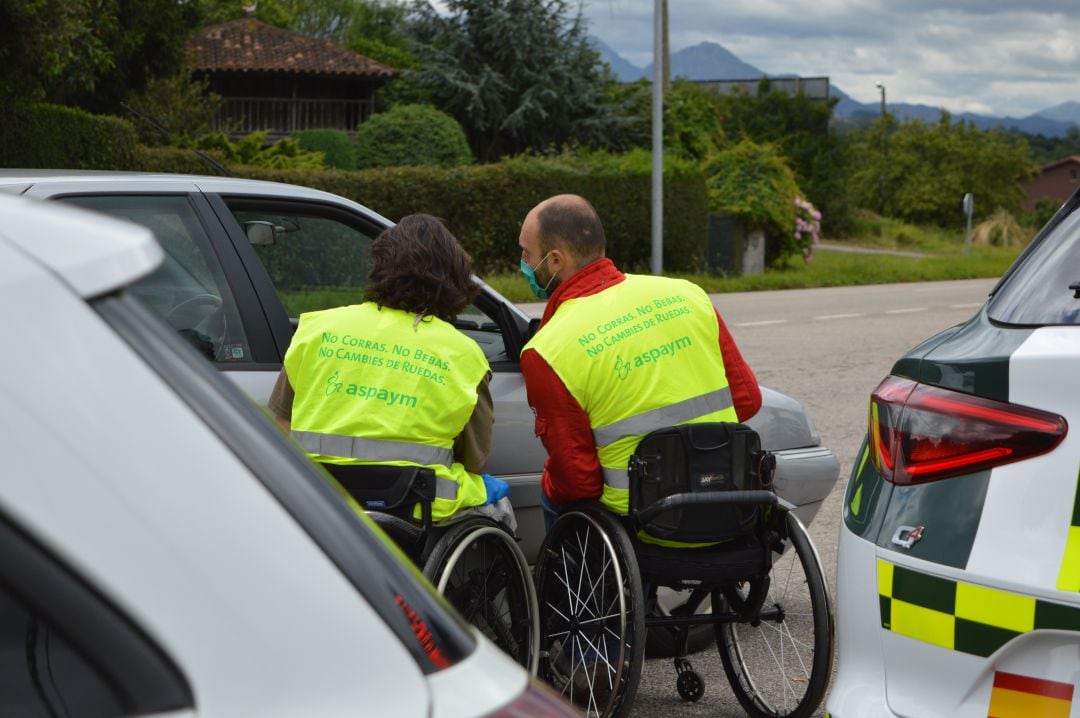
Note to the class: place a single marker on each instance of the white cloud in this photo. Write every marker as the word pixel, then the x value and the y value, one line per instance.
pixel 1003 57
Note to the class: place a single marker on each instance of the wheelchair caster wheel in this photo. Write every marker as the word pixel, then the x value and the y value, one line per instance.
pixel 690 684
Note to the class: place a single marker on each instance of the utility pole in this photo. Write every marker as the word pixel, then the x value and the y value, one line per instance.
pixel 667 52
pixel 659 69
pixel 884 148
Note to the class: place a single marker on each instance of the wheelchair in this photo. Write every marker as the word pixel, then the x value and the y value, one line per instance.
pixel 473 561
pixel 597 575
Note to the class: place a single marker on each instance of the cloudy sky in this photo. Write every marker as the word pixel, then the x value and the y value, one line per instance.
pixel 993 57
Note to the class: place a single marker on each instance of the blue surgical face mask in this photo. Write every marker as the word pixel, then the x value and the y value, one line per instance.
pixel 530 277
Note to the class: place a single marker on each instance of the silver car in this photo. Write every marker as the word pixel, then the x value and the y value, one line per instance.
pixel 245 257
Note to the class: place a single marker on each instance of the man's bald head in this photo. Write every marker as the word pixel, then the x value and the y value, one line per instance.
pixel 570 222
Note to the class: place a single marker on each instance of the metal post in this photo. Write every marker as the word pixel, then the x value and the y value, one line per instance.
pixel 969 208
pixel 657 262
pixel 884 149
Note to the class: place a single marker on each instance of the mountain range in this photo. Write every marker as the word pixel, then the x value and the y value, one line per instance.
pixel 711 61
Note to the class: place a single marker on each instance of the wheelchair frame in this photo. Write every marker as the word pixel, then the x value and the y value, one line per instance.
pixel 461 558
pixel 607 632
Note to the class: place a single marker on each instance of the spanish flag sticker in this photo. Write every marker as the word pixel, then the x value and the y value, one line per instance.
pixel 1016 696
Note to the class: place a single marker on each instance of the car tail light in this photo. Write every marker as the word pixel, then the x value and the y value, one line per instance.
pixel 921 433
pixel 538 701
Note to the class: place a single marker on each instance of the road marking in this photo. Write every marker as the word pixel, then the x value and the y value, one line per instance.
pixel 906 311
pixel 970 305
pixel 827 317
pixel 762 323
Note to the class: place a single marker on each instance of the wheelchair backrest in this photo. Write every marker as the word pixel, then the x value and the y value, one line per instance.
pixel 696 458
pixel 394 490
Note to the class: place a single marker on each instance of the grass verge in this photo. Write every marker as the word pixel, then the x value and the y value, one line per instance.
pixel 829 269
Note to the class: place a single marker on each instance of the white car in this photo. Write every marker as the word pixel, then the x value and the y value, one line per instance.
pixel 958 583
pixel 163 548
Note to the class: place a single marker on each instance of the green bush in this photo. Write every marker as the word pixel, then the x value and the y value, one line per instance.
pixel 42 136
pixel 252 150
pixel 339 150
pixel 411 135
pixel 174 160
pixel 754 184
pixel 483 205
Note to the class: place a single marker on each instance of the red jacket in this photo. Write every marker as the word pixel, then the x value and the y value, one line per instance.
pixel 572 470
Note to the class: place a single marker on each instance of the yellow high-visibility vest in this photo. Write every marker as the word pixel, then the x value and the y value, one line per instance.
pixel 374 386
pixel 639 356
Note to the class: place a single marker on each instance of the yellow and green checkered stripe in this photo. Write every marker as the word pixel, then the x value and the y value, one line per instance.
pixel 1069 577
pixel 962 616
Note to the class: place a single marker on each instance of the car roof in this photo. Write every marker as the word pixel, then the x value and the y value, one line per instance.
pixel 92 253
pixel 18 180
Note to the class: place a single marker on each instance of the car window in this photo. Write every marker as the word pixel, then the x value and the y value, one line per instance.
pixel 1038 290
pixel 41 674
pixel 314 261
pixel 189 289
pixel 318 258
pixel 65 650
pixel 483 330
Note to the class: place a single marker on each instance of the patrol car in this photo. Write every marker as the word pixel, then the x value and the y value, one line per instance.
pixel 243 258
pixel 164 549
pixel 958 583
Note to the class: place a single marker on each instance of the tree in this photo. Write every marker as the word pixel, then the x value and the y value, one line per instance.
pixel 517 74
pixel 90 53
pixel 930 167
pixel 799 126
pixel 47 43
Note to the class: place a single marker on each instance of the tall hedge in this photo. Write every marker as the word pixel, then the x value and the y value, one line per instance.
pixel 483 205
pixel 39 136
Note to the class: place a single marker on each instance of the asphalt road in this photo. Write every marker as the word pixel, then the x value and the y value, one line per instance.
pixel 828 348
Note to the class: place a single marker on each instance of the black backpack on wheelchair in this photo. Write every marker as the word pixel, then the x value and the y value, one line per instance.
pixel 706 484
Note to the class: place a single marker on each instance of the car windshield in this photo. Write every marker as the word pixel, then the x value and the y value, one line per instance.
pixel 1045 287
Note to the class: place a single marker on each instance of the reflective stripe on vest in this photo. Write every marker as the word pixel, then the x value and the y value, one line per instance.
pixel 375 450
pixel 356 447
pixel 677 413
pixel 616 478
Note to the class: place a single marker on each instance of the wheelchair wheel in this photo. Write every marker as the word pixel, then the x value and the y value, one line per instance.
pixel 779 662
pixel 479 568
pixel 592 612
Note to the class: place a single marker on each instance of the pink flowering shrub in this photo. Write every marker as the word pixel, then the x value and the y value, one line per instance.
pixel 807 227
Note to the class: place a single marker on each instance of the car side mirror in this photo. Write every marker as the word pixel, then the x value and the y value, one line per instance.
pixel 534 327
pixel 260 233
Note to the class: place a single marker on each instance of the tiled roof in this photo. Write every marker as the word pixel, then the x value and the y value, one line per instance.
pixel 1057 163
pixel 250 45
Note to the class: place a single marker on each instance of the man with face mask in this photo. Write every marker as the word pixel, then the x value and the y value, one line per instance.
pixel 616 356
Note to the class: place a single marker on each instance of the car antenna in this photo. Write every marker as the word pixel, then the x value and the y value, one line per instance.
pixel 183 143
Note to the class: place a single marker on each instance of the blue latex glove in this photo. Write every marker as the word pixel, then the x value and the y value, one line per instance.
pixel 496 488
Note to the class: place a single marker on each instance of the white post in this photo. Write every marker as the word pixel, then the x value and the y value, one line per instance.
pixel 657 263
pixel 969 207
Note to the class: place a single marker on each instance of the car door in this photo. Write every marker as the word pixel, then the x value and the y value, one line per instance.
pixel 309 254
pixel 201 289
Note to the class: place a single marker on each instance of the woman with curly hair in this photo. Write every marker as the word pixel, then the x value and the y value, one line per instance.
pixel 391 381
